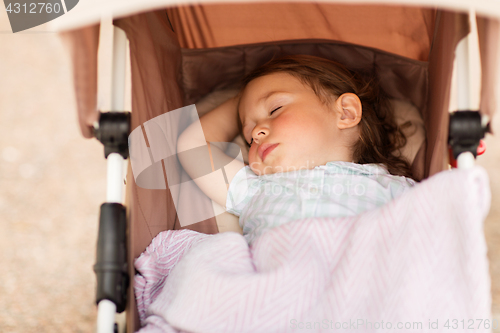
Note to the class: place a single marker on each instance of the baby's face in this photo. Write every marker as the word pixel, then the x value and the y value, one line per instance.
pixel 291 128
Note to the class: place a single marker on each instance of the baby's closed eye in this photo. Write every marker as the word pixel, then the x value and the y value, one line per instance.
pixel 275 110
pixel 271 113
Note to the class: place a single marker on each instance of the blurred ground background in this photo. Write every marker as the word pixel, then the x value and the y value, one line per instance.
pixel 52 182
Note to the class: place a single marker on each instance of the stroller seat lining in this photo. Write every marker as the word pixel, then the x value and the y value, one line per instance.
pixel 207 70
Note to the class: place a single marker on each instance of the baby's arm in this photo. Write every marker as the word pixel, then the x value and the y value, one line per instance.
pixel 219 125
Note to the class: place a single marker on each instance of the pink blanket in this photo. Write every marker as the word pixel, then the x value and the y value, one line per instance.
pixel 416 264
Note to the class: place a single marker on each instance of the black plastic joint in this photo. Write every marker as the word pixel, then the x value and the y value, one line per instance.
pixel 113 132
pixel 465 131
pixel 111 263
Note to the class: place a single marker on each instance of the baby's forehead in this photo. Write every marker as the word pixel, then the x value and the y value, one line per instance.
pixel 262 87
pixel 245 115
pixel 243 111
pixel 243 101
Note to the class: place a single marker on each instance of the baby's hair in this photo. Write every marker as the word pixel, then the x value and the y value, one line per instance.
pixel 380 138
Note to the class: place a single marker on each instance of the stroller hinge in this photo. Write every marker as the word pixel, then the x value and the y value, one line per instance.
pixel 465 132
pixel 111 263
pixel 112 131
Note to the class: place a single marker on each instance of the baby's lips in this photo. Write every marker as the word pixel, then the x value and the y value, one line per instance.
pixel 262 149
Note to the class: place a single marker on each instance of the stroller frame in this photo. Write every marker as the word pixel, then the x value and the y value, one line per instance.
pixel 108 305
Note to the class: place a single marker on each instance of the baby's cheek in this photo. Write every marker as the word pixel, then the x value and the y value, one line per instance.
pixel 253 150
pixel 251 154
pixel 287 127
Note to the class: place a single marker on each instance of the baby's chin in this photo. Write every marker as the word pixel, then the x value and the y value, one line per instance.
pixel 260 170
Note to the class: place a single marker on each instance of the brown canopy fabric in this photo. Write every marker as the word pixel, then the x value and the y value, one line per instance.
pixel 406 31
pixel 83 45
pixel 489 42
pixel 179 54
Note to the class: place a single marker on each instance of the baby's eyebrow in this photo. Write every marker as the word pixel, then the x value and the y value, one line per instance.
pixel 271 93
pixel 260 100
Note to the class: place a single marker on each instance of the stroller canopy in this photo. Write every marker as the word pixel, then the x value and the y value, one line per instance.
pixel 89 12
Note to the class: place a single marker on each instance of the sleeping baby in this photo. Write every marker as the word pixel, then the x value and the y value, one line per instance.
pixel 322 143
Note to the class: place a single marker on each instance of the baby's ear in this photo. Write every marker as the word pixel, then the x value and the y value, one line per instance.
pixel 350 110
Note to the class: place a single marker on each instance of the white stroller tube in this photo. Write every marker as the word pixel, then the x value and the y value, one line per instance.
pixel 115 178
pixel 463 75
pixel 106 309
pixel 465 160
pixel 115 161
pixel 106 316
pixel 119 66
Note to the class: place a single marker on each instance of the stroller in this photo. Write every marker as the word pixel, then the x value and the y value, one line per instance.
pixel 181 53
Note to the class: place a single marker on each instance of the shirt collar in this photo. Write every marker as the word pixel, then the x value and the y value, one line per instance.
pixel 357 169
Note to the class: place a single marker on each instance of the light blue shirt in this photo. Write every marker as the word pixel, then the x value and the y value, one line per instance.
pixel 332 190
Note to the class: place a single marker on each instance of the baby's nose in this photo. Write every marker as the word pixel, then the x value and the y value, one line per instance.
pixel 259 135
